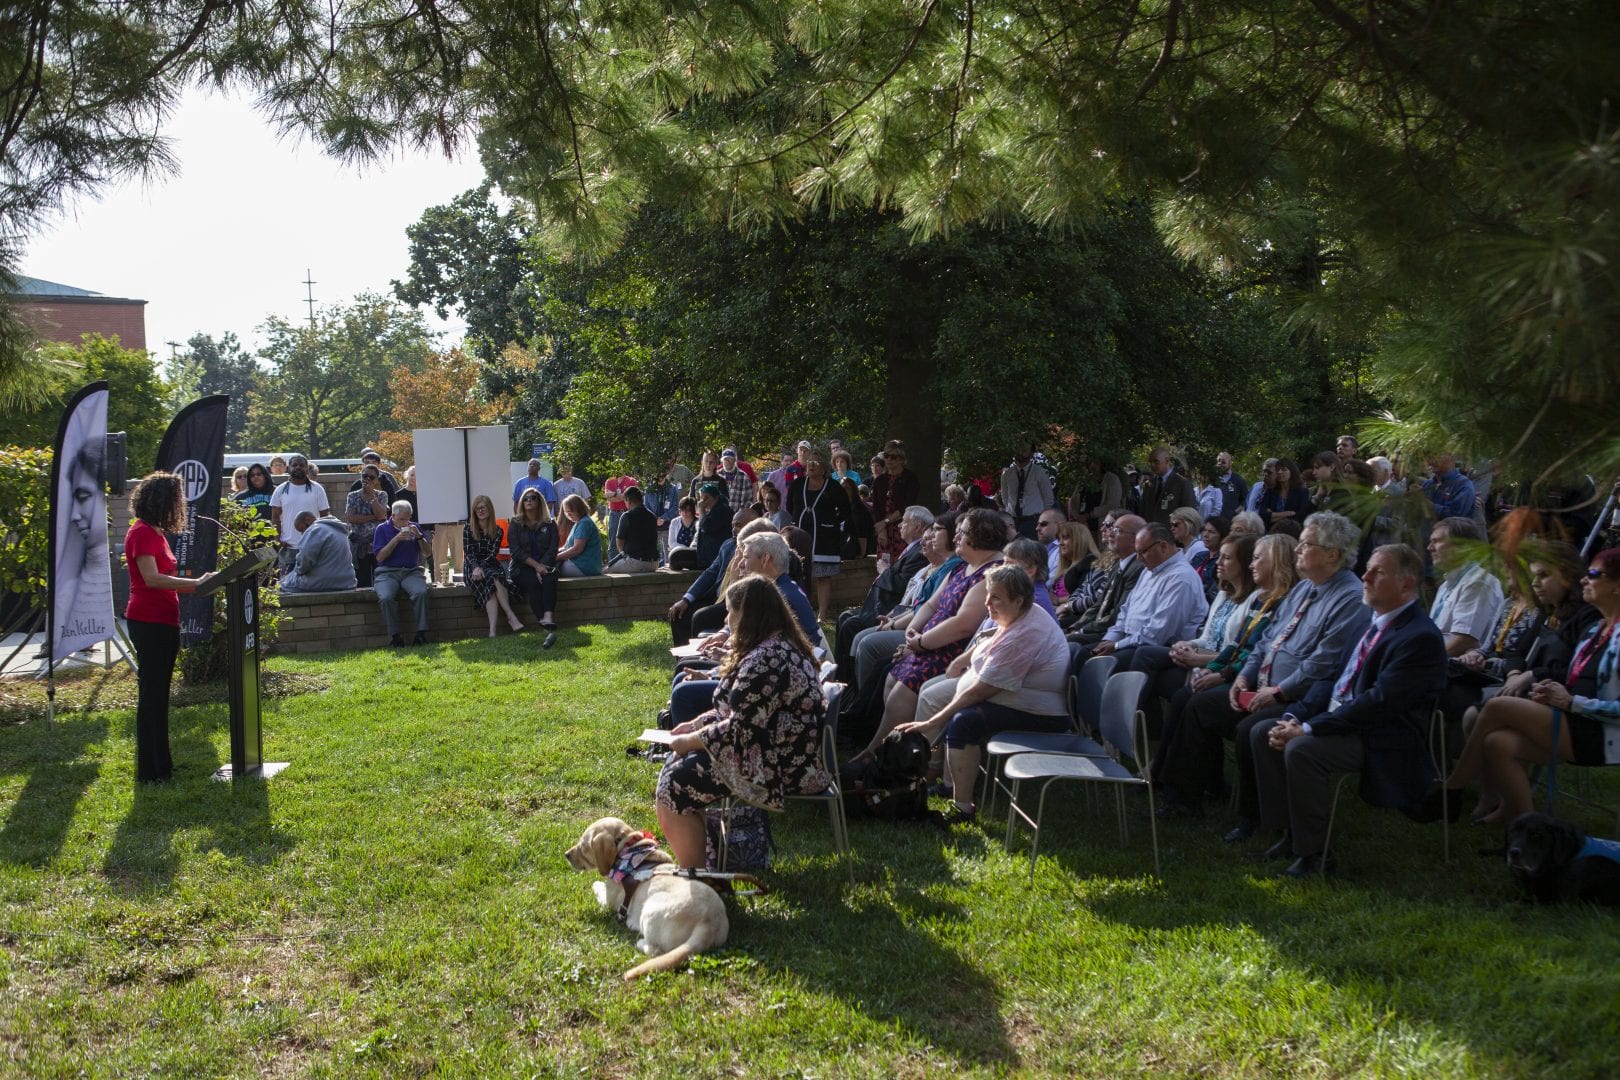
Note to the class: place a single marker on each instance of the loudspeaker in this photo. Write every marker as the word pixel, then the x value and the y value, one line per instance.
pixel 116 462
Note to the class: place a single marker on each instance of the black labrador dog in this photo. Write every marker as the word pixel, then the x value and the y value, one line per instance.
pixel 889 785
pixel 1553 860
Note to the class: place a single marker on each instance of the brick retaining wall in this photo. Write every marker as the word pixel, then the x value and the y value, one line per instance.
pixel 315 622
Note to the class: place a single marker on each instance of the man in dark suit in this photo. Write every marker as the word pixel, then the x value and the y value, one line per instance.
pixel 1374 718
pixel 1166 489
pixel 1234 489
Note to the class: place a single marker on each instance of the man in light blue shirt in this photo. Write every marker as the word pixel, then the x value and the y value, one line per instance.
pixel 1168 602
pixel 538 483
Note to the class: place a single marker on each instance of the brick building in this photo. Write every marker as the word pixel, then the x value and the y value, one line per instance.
pixel 65 313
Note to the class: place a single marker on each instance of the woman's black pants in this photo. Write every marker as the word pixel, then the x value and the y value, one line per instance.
pixel 157 646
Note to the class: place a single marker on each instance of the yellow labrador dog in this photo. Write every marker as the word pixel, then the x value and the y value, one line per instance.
pixel 674 917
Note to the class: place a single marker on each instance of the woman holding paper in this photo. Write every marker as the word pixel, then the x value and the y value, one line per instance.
pixel 760 742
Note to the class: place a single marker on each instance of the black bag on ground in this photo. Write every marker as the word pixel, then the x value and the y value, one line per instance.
pixel 747 841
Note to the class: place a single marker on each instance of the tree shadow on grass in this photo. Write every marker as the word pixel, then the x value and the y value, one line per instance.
pixel 58 777
pixel 1399 933
pixel 234 817
pixel 876 956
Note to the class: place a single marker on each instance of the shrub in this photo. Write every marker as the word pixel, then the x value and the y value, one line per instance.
pixel 210 660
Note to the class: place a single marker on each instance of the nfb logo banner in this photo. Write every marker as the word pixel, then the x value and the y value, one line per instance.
pixel 192 448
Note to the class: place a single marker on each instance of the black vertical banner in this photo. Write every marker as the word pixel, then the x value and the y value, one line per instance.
pixel 194 449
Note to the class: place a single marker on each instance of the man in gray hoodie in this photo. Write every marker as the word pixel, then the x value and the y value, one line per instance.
pixel 324 563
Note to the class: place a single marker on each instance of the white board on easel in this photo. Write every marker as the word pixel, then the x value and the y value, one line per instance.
pixel 455 464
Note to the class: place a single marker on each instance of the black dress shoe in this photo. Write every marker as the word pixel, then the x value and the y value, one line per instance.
pixel 1239 832
pixel 1307 866
pixel 396 641
pixel 1282 849
pixel 420 638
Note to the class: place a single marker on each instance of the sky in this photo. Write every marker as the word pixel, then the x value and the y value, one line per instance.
pixel 226 240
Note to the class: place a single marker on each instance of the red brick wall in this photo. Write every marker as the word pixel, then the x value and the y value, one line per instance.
pixel 68 321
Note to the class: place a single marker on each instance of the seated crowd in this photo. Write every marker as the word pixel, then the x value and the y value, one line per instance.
pixel 1316 621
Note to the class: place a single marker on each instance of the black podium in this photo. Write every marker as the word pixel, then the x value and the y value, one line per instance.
pixel 240 581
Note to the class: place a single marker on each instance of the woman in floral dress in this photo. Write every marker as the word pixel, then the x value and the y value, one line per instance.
pixel 761 741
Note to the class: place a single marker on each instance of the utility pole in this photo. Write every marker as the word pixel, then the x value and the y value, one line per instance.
pixel 309 295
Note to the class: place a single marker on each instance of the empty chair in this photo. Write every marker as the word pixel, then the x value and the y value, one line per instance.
pixel 1124 729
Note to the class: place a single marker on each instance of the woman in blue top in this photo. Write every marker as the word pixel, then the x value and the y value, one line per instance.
pixel 582 555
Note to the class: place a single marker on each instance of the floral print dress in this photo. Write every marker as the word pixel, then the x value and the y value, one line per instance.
pixel 764 742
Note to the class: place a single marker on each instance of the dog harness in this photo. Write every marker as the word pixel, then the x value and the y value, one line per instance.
pixel 1600 849
pixel 631 868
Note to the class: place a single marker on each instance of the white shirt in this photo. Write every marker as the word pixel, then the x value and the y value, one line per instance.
pixel 1166 606
pixel 1467 602
pixel 294 500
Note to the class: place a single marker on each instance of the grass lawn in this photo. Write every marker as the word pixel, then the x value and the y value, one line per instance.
pixel 397 903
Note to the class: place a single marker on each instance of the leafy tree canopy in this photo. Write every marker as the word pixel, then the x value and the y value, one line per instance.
pixel 216 367
pixel 443 391
pixel 1462 156
pixel 137 399
pixel 326 392
pixel 693 335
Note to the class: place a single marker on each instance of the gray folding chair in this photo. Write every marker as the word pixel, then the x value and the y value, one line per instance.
pixel 1085 691
pixel 1437 754
pixel 1124 729
pixel 833 796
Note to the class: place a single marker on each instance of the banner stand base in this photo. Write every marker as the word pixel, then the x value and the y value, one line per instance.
pixel 263 772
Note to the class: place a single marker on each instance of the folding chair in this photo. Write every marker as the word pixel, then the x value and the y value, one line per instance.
pixel 833 795
pixel 1085 691
pixel 1124 729
pixel 1437 755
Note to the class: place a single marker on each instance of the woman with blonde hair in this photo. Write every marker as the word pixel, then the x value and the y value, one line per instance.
pixel 1077 559
pixel 582 556
pixel 481 538
pixel 1274 576
pixel 532 538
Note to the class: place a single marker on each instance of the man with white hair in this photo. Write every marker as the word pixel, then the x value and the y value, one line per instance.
pixel 1304 645
pixel 400 547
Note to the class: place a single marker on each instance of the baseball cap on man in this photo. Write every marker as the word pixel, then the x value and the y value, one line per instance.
pixel 804 444
pixel 730 452
pixel 369 452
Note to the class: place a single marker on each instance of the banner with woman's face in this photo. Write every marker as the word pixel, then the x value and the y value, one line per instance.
pixel 80 585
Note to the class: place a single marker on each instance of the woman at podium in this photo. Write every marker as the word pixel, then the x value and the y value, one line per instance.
pixel 153 614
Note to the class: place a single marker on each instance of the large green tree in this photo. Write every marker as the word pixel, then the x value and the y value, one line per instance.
pixel 216 367
pixel 326 390
pixel 693 335
pixel 137 399
pixel 1462 157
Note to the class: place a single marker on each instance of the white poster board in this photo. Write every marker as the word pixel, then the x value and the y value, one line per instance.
pixel 455 464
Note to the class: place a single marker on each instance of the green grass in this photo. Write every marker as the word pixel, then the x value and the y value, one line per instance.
pixel 397 903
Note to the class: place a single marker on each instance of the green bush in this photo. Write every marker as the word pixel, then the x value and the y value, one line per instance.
pixel 210 661
pixel 25 481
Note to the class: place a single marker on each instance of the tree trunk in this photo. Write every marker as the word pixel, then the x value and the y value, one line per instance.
pixel 910 395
